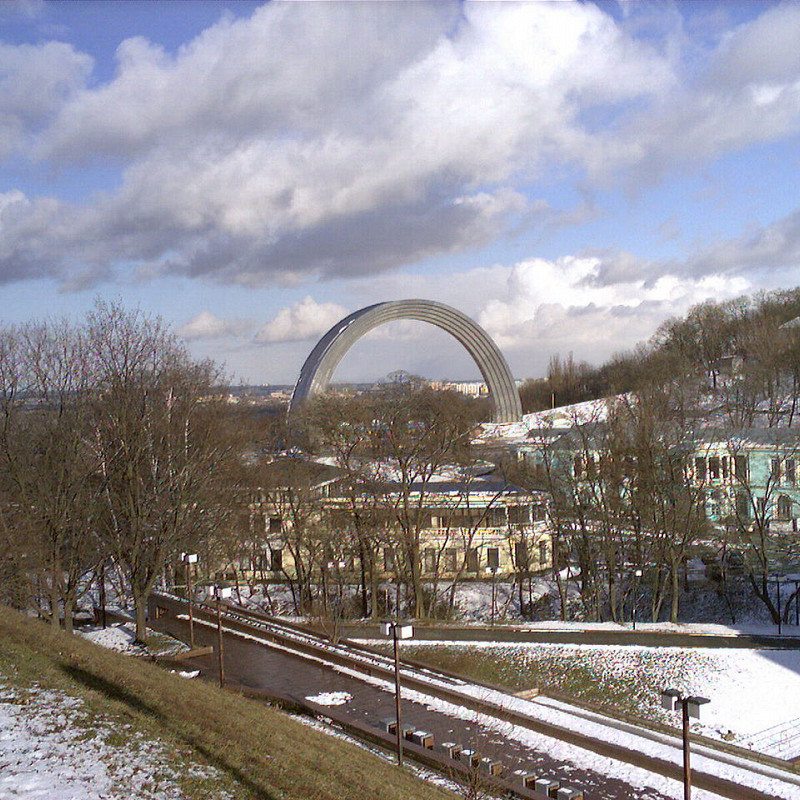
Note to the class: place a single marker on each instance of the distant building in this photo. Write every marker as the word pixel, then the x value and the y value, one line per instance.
pixel 469 388
pixel 740 475
pixel 471 527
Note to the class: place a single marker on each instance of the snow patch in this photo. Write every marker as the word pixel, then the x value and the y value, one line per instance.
pixel 331 698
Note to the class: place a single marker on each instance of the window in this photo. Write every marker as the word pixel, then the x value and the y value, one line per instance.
pixel 518 515
pixel 775 470
pixel 542 553
pixel 784 507
pixel 713 468
pixel 493 558
pixel 700 469
pixel 429 560
pixel 473 559
pixel 715 499
pixel 790 474
pixel 740 468
pixel 274 524
pixel 276 560
pixel 521 555
pixel 742 505
pixel 450 556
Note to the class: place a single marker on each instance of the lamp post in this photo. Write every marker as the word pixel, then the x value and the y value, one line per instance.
pixel 494 591
pixel 796 605
pixel 690 707
pixel 189 559
pixel 221 593
pixel 779 581
pixel 637 577
pixel 397 630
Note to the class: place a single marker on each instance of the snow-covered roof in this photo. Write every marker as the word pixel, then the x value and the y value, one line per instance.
pixel 559 419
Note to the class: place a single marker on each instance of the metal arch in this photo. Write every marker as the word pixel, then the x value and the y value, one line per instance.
pixel 318 368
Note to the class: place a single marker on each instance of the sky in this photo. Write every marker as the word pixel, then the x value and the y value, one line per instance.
pixel 568 174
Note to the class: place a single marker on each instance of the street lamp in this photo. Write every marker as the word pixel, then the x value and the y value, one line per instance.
pixel 637 576
pixel 189 559
pixel 690 707
pixel 397 630
pixel 221 593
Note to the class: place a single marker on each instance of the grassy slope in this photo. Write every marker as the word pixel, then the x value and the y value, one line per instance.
pixel 265 753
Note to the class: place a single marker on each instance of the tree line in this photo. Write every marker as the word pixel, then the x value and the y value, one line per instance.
pixel 703 342
pixel 630 496
pixel 115 447
pixel 109 444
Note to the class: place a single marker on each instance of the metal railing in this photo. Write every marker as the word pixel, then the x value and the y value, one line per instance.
pixel 781 741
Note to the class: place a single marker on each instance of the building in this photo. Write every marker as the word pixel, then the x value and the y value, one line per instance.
pixel 318 520
pixel 749 475
pixel 739 475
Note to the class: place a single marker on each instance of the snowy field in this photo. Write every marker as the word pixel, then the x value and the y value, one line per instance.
pixel 750 690
pixel 121 637
pixel 53 748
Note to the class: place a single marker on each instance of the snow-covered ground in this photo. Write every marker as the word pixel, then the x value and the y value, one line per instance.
pixel 750 690
pixel 53 748
pixel 772 781
pixel 121 637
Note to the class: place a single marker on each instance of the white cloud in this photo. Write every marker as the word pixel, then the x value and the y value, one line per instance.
pixel 244 161
pixel 35 83
pixel 561 306
pixel 206 325
pixel 745 92
pixel 302 321
pixel 774 246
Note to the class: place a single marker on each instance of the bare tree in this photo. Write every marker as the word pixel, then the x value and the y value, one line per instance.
pixel 154 439
pixel 49 464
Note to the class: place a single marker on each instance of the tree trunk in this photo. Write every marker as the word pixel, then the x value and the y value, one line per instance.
pixel 53 599
pixel 675 577
pixel 140 604
pixel 69 607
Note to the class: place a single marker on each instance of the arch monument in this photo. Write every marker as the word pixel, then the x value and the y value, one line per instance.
pixel 318 368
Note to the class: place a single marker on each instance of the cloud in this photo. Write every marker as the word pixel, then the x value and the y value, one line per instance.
pixel 774 246
pixel 746 91
pixel 36 81
pixel 302 321
pixel 562 305
pixel 206 325
pixel 243 161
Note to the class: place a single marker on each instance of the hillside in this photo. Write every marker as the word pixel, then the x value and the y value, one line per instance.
pixel 757 336
pixel 129 725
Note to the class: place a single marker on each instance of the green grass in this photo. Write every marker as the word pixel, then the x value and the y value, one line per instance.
pixel 259 752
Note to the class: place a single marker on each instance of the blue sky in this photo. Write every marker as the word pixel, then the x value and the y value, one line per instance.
pixel 568 174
